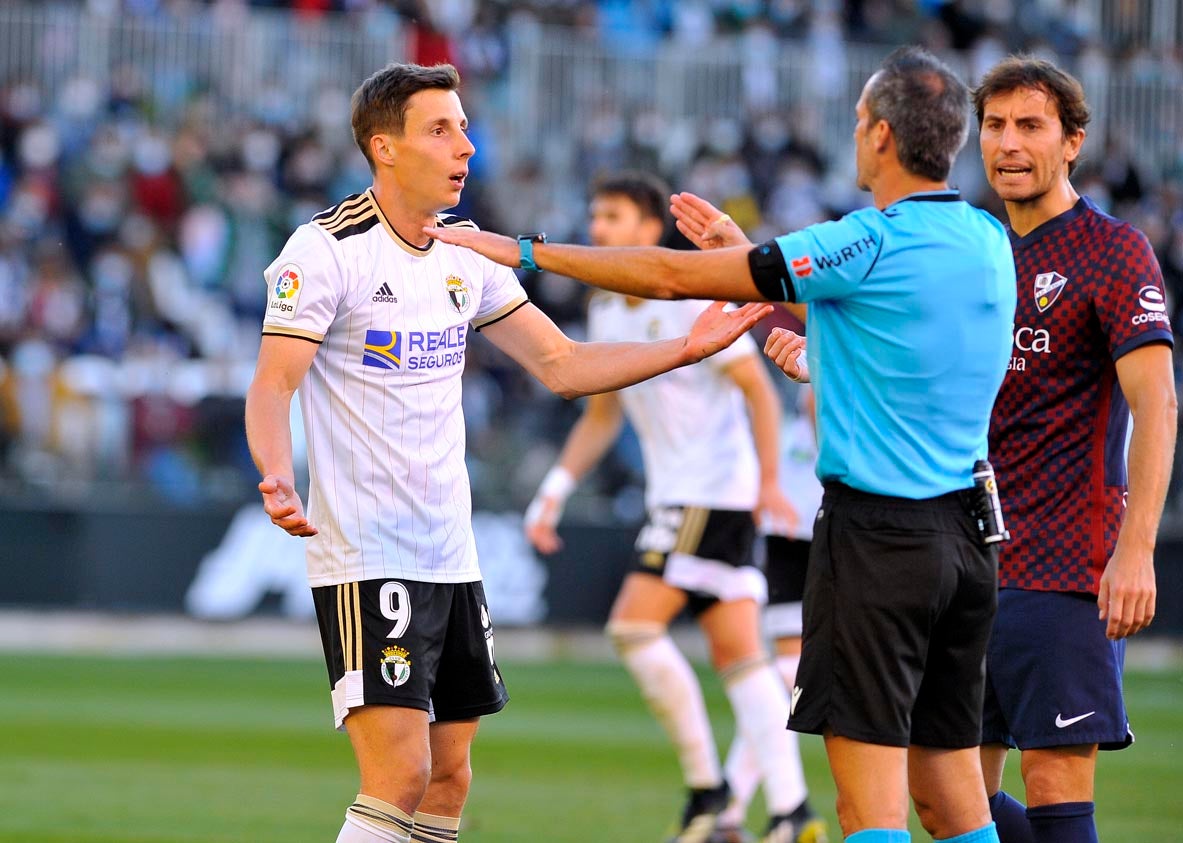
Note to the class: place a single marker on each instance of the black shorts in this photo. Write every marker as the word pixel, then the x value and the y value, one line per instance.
pixel 785 563
pixel 705 552
pixel 899 599
pixel 412 644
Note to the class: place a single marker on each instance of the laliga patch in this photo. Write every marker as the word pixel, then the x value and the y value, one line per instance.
pixel 458 293
pixel 286 292
pixel 396 667
pixel 1048 286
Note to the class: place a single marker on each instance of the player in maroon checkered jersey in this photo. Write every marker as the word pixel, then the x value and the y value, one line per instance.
pixel 1092 343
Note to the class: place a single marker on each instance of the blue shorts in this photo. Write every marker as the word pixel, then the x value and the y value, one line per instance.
pixel 1052 677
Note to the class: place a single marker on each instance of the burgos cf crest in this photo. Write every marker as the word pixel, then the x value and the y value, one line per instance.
pixel 458 293
pixel 396 667
pixel 1048 286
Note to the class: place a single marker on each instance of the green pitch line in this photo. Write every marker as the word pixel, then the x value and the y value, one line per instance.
pixel 183 750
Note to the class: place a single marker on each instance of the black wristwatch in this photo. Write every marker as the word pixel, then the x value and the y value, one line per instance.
pixel 526 250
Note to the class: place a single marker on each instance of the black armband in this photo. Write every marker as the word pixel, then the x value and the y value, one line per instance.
pixel 771 274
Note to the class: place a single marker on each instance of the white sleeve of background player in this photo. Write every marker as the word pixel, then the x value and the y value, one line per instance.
pixel 501 295
pixel 305 284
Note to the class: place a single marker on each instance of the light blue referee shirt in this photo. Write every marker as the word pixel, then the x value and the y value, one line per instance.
pixel 909 335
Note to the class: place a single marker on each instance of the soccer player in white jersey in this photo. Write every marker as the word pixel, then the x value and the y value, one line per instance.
pixel 368 318
pixel 709 438
pixel 786 558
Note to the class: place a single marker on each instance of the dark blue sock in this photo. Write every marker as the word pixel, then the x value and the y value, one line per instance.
pixel 1010 816
pixel 1064 822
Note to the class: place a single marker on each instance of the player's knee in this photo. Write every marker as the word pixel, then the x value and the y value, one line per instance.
pixel 1050 778
pixel 628 635
pixel 860 813
pixel 450 782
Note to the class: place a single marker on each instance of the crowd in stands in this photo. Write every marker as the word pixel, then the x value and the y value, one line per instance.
pixel 133 232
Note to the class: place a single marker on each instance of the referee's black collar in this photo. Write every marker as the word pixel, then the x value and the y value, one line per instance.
pixel 950 195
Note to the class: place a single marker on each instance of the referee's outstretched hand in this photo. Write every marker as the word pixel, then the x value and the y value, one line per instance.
pixel 704 225
pixel 496 247
pixel 283 505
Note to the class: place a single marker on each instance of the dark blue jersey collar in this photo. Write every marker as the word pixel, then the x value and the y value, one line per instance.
pixel 1083 205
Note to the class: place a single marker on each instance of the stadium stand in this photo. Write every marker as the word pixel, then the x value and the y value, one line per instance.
pixel 154 154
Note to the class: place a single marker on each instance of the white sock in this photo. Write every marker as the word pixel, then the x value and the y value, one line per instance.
pixel 671 689
pixel 742 768
pixel 761 708
pixel 370 820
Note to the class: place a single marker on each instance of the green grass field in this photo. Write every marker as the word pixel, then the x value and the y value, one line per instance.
pixel 183 750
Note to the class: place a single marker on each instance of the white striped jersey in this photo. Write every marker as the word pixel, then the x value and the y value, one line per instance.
pixel 692 422
pixel 389 490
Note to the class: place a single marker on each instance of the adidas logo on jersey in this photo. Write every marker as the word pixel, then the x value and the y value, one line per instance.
pixel 384 295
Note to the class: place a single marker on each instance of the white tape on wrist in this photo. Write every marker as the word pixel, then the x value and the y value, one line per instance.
pixel 556 488
pixel 558 483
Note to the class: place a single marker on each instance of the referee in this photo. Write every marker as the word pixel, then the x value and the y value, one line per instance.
pixel 912 302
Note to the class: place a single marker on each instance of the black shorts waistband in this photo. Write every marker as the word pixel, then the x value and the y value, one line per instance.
pixel 950 501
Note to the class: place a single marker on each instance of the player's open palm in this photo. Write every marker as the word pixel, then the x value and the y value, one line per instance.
pixel 1127 593
pixel 704 224
pixel 282 504
pixel 716 328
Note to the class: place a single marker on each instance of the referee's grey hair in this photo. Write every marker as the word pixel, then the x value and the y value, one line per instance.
pixel 380 103
pixel 927 107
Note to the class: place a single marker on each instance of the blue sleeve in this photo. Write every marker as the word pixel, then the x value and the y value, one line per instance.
pixel 829 260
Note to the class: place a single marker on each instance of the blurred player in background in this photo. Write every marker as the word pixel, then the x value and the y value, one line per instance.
pixel 911 309
pixel 1092 343
pixel 786 558
pixel 368 317
pixel 709 466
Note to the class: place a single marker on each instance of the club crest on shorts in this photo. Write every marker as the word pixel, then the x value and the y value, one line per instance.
pixel 396 667
pixel 1048 286
pixel 458 293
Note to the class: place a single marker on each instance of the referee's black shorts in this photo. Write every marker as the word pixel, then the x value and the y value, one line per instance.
pixel 899 600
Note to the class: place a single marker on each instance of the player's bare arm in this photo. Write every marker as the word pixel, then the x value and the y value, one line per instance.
pixel 1126 598
pixel 786 349
pixel 572 369
pixel 764 416
pixel 282 364
pixel 648 272
pixel 598 427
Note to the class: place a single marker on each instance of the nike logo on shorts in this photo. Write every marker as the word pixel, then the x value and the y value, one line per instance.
pixel 1061 722
pixel 793 701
